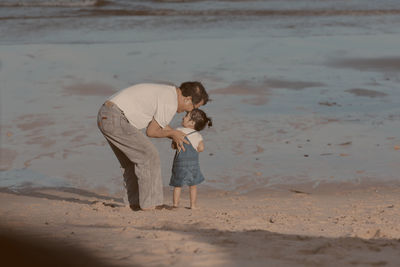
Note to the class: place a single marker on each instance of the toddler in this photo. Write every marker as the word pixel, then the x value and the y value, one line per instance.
pixel 186 168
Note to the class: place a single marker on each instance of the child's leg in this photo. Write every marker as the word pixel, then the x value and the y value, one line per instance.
pixel 193 196
pixel 177 194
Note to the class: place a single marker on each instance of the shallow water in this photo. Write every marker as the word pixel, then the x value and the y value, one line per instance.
pixel 303 91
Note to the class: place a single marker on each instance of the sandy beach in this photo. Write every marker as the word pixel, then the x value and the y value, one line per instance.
pixel 335 225
pixel 302 162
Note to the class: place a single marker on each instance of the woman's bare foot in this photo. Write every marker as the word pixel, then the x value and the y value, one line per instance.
pixel 159 207
pixel 164 206
pixel 148 209
pixel 134 207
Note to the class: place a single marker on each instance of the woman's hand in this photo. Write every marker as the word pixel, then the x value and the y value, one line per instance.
pixel 173 145
pixel 178 138
pixel 156 131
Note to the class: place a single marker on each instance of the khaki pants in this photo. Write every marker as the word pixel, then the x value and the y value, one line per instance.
pixel 137 155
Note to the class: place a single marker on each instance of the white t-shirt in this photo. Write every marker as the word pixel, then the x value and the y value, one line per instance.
pixel 141 102
pixel 194 138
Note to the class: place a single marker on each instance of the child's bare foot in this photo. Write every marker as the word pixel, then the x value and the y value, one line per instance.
pixel 193 207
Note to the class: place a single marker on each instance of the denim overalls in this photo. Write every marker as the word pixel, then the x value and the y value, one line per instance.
pixel 186 167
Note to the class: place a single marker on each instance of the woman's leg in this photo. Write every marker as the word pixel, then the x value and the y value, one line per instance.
pixel 130 178
pixel 144 168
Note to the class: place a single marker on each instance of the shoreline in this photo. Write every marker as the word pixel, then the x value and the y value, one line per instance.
pixel 312 187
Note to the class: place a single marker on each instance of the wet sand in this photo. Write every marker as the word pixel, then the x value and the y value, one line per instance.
pixel 291 107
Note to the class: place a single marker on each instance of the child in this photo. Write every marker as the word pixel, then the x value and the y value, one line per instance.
pixel 186 168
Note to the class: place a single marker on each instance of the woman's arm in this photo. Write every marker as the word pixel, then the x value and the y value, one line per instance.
pixel 173 144
pixel 200 147
pixel 155 130
pixel 168 127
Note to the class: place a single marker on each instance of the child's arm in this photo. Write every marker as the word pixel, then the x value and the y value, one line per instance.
pixel 200 147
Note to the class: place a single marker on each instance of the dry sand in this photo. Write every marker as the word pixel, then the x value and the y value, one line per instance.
pixel 338 225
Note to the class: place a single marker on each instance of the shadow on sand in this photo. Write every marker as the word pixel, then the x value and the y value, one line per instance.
pixel 264 248
pixel 74 195
pixel 26 249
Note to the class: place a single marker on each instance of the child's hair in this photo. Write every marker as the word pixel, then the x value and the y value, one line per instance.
pixel 200 119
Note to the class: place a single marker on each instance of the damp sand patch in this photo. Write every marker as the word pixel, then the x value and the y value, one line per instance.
pixel 382 64
pixel 291 85
pixel 260 90
pixel 365 92
pixel 263 88
pixel 89 89
pixel 33 121
pixel 7 157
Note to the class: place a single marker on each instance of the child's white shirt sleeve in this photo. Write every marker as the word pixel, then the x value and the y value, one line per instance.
pixel 194 138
